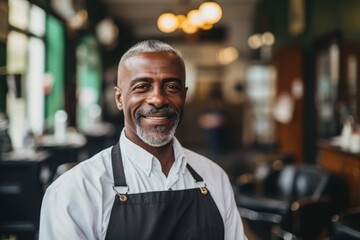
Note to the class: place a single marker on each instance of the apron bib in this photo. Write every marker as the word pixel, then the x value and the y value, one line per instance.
pixel 162 215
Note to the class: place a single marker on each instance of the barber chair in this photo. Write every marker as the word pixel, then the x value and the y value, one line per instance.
pixel 297 199
pixel 346 225
pixel 21 192
pixel 248 163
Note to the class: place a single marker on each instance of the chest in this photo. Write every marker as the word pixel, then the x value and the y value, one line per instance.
pixel 190 214
pixel 151 178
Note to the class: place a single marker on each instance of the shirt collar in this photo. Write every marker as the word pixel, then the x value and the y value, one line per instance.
pixel 180 157
pixel 143 159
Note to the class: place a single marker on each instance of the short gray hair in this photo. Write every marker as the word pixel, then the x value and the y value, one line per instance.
pixel 150 46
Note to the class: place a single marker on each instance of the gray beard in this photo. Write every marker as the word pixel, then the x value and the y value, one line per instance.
pixel 157 141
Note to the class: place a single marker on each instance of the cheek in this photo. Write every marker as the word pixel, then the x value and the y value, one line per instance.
pixel 130 106
pixel 129 118
pixel 179 103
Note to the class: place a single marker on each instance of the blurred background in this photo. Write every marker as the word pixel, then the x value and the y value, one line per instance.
pixel 271 84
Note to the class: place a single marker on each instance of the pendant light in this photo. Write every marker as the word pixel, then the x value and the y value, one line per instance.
pixel 167 22
pixel 211 12
pixel 203 18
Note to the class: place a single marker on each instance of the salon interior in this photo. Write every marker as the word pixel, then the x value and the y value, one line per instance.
pixel 273 98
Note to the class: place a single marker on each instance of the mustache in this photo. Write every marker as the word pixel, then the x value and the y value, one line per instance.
pixel 167 111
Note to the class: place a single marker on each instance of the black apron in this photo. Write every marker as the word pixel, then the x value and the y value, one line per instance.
pixel 163 215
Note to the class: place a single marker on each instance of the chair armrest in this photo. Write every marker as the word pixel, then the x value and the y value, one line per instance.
pixel 259 216
pixel 308 217
pixel 245 182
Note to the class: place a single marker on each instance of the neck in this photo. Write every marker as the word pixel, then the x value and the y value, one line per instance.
pixel 165 154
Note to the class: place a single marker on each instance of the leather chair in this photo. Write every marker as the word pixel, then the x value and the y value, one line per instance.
pixel 346 225
pixel 21 192
pixel 298 199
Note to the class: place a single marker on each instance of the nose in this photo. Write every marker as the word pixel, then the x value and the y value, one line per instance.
pixel 157 98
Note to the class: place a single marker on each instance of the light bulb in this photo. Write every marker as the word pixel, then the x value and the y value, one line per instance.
pixel 188 28
pixel 255 41
pixel 195 18
pixel 227 55
pixel 267 38
pixel 181 19
pixel 167 22
pixel 211 12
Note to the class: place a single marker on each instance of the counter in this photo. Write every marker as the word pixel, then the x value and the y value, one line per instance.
pixel 345 164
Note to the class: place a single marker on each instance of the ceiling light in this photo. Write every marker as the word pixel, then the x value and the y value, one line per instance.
pixel 181 19
pixel 167 22
pixel 211 12
pixel 107 31
pixel 79 20
pixel 267 38
pixel 227 55
pixel 203 18
pixel 255 41
pixel 195 18
pixel 188 27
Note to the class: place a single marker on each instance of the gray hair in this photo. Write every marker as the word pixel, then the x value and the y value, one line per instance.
pixel 150 46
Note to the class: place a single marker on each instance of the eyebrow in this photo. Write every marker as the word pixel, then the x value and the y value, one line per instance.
pixel 148 80
pixel 173 79
pixel 140 79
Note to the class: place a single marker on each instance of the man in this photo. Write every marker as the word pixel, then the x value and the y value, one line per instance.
pixel 147 186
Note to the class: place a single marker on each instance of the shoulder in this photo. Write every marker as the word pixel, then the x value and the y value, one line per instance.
pixel 201 163
pixel 214 176
pixel 93 172
pixel 77 200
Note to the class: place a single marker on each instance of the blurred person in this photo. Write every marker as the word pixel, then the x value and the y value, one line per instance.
pixel 213 122
pixel 147 186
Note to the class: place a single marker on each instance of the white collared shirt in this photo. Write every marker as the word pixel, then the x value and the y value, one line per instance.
pixel 78 204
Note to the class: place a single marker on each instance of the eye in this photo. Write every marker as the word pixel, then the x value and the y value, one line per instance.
pixel 173 87
pixel 141 87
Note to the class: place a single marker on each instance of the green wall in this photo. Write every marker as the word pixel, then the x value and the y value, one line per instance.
pixel 89 78
pixel 55 65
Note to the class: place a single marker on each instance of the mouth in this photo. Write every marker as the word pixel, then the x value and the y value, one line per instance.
pixel 157 120
pixel 156 116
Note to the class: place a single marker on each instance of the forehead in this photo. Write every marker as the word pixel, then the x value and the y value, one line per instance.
pixel 151 65
pixel 152 62
pixel 153 59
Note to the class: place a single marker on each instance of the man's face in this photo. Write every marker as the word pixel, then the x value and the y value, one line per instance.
pixel 151 91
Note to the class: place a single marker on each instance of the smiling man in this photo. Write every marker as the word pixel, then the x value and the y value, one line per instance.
pixel 147 186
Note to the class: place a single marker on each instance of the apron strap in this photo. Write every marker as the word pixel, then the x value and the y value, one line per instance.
pixel 195 175
pixel 117 166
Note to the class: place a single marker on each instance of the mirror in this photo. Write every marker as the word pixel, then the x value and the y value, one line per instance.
pixel 327 79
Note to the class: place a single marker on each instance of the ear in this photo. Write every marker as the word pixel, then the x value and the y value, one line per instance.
pixel 118 100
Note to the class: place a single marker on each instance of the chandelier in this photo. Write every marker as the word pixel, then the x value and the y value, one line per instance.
pixel 202 18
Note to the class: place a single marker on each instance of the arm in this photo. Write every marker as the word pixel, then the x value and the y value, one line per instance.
pixel 233 224
pixel 67 214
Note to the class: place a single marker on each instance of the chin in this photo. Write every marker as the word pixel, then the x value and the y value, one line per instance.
pixel 154 139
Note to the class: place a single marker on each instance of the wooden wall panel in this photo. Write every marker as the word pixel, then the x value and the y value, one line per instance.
pixel 288 62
